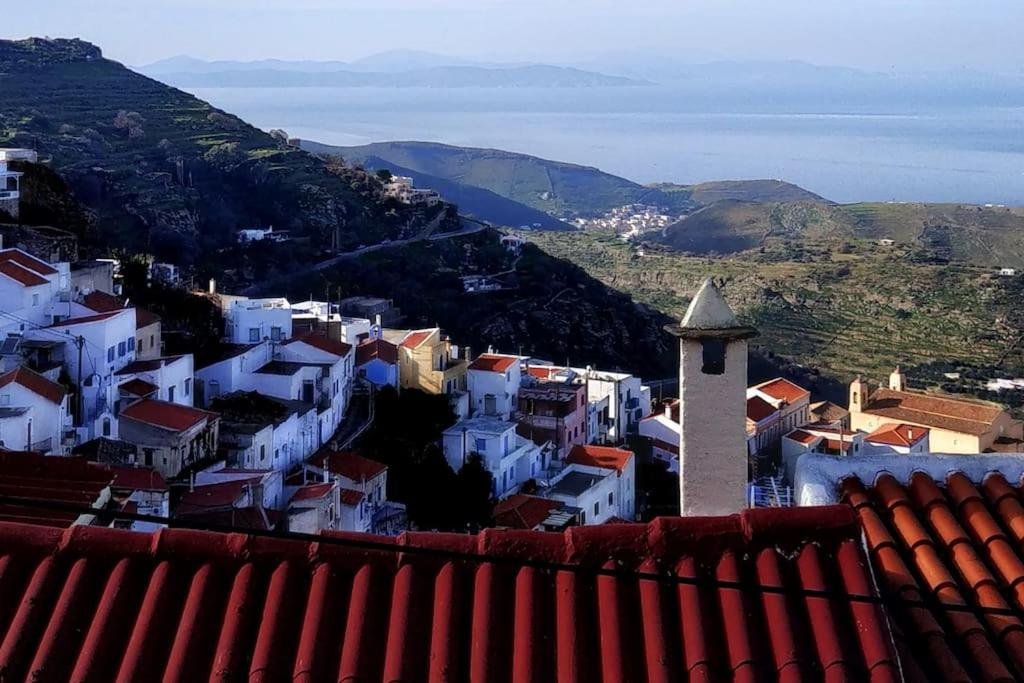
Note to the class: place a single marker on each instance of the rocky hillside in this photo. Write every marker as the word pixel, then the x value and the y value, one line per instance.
pixel 167 173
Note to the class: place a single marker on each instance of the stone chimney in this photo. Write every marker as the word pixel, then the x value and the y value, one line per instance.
pixel 897 380
pixel 213 286
pixel 712 406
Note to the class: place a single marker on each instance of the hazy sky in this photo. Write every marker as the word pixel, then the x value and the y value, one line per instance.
pixel 877 34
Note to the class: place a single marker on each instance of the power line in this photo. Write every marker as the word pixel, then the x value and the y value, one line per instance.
pixel 887 599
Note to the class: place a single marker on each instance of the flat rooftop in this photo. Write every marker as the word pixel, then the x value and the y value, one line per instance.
pixel 575 483
pixel 483 423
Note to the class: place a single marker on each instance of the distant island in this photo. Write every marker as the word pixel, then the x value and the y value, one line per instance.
pixel 187 72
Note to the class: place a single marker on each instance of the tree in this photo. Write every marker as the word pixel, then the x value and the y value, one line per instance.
pixel 384 175
pixel 473 485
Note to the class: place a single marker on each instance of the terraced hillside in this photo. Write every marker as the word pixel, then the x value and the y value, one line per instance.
pixel 166 172
pixel 846 310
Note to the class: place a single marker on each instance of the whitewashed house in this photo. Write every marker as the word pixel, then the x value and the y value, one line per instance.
pixel 898 439
pixel 33 413
pixel 29 288
pixel 171 379
pixel 250 321
pixel 493 381
pixel 511 459
pixel 600 481
pixel 225 375
pixel 263 432
pixel 662 429
pixel 313 508
pixel 363 485
pixel 337 361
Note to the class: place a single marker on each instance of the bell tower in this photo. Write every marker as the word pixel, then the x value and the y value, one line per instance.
pixel 712 406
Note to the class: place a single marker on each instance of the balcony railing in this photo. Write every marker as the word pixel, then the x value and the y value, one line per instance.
pixel 9 194
pixel 43 445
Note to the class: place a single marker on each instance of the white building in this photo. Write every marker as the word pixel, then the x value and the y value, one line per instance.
pixel 821 440
pixel 511 459
pixel 10 181
pixel 363 488
pixel 247 235
pixel 598 480
pixel 712 392
pixel 107 343
pixel 897 439
pixel 493 381
pixel 226 374
pixel 262 432
pixel 250 321
pixel 402 189
pixel 29 288
pixel 171 379
pixel 33 413
pixel 663 431
pixel 337 360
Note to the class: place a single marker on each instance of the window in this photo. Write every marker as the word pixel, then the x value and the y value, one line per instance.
pixel 713 351
pixel 152 340
pixel 106 426
pixel 583 516
pixel 263 452
pixel 597 508
pixel 131 344
pixel 110 354
pixel 188 386
pixel 611 499
pixel 170 394
pixel 122 348
pixel 481 445
pixel 275 333
pixel 35 299
pixel 147 456
pixel 254 334
pixel 506 443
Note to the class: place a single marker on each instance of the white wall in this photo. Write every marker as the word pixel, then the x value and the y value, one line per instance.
pixel 249 321
pixel 504 386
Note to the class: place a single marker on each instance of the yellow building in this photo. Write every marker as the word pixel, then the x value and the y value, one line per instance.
pixel 428 361
pixel 957 425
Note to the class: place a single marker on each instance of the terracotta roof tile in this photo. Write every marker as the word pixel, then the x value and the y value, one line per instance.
pixel 138 387
pixel 893 434
pixel 599 456
pixel 26 261
pixel 758 409
pixel 415 338
pixel 376 349
pixel 958 415
pixel 138 478
pixel 347 464
pixel 222 494
pixel 238 606
pixel 102 302
pixel 87 319
pixel 800 436
pixel 312 492
pixel 321 341
pixel 520 511
pixel 48 478
pixel 145 318
pixel 783 390
pixel 945 546
pixel 21 275
pixel 351 497
pixel 170 416
pixel 34 382
pixel 490 362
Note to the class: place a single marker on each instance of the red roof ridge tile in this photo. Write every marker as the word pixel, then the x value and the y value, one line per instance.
pixel 493 362
pixel 26 260
pixel 34 382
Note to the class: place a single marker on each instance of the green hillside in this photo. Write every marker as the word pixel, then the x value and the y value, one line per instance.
pixel 978 235
pixel 560 189
pixel 743 191
pixel 165 171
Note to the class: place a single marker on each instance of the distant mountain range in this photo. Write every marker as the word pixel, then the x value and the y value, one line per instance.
pixel 386 70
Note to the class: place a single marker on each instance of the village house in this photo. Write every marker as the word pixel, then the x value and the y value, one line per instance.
pixel 662 429
pixel 336 359
pixel 29 287
pixel 33 413
pixel 250 321
pixel 533 513
pixel 228 372
pixel 821 441
pixel 142 491
pixel 313 508
pixel 233 497
pixel 10 181
pixel 599 481
pixel 493 381
pixel 247 235
pixel 91 276
pixel 166 379
pixel 264 432
pixel 377 363
pixel 148 336
pixel 363 485
pixel 430 362
pixel 791 400
pixel 955 425
pixel 829 414
pixel 170 437
pixel 764 428
pixel 382 311
pixel 552 411
pixel 897 439
pixel 511 459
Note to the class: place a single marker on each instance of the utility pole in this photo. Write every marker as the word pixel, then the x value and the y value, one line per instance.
pixel 80 343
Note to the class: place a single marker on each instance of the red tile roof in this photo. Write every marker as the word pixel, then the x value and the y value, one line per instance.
pixel 542 371
pixel 599 456
pixel 201 605
pixel 957 545
pixel 957 415
pixel 26 261
pixel 801 436
pixel 490 362
pixel 222 494
pixel 347 464
pixel 166 415
pixel 48 478
pixel 138 478
pixel 520 511
pixel 898 435
pixel 138 387
pixel 414 339
pixel 782 389
pixel 758 409
pixel 22 275
pixel 376 349
pixel 87 319
pixel 312 491
pixel 145 318
pixel 321 341
pixel 34 382
pixel 351 497
pixel 101 302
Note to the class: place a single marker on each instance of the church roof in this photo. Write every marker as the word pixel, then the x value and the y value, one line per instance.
pixel 710 316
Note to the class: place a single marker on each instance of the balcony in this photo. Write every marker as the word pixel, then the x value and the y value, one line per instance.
pixel 9 194
pixel 43 446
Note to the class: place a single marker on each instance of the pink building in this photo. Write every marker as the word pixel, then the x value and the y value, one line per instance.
pixel 553 411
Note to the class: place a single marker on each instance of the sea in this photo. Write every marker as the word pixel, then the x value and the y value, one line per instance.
pixel 845 148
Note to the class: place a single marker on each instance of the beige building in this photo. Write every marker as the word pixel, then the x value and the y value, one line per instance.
pixel 957 425
pixel 428 361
